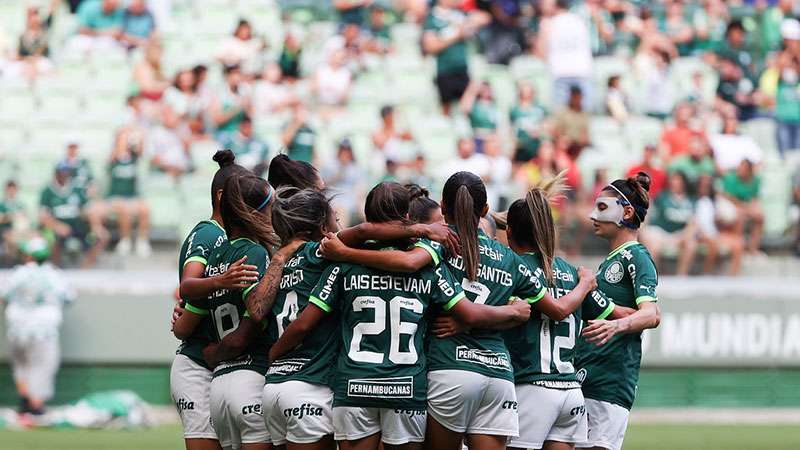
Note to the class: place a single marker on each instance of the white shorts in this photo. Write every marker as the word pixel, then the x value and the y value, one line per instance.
pixel 468 402
pixel 190 386
pixel 607 425
pixel 397 426
pixel 298 412
pixel 236 409
pixel 34 363
pixel 547 414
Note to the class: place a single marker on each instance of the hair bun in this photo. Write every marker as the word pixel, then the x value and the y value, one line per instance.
pixel 224 158
pixel 642 179
pixel 416 191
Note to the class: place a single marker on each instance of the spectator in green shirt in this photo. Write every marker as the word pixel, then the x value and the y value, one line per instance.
pixel 298 137
pixel 479 105
pixel 62 215
pixel 124 199
pixel 527 118
pixel 12 216
pixel 445 33
pixel 251 152
pixel 672 225
pixel 742 186
pixel 787 95
pixel 696 163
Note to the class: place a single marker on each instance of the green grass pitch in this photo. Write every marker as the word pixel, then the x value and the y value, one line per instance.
pixel 639 437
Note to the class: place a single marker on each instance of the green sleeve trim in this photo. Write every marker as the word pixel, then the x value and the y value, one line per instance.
pixel 196 310
pixel 247 291
pixel 199 259
pixel 460 296
pixel 607 311
pixel 538 296
pixel 645 298
pixel 320 304
pixel 430 250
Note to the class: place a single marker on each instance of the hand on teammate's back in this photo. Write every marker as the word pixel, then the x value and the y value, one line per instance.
pixel 444 235
pixel 598 332
pixel 332 247
pixel 238 276
pixel 446 326
pixel 522 308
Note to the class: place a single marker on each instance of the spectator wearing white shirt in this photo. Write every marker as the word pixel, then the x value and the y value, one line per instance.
pixel 468 160
pixel 497 174
pixel 565 44
pixel 35 296
pixel 731 148
pixel 715 230
pixel 332 81
pixel 270 94
pixel 242 49
pixel 167 145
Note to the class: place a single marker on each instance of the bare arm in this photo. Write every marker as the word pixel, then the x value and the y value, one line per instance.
pixel 195 285
pixel 260 300
pixel 468 99
pixel 289 132
pixel 357 235
pixel 560 309
pixel 185 325
pixel 601 331
pixel 503 317
pixel 433 43
pixel 297 331
pixel 233 344
pixel 391 260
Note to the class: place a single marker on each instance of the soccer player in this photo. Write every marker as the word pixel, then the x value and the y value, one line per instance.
pixel 35 295
pixel 190 377
pixel 551 405
pixel 297 397
pixel 483 405
pixel 237 354
pixel 609 373
pixel 380 384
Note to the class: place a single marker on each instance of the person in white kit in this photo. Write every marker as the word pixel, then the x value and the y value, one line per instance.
pixel 35 295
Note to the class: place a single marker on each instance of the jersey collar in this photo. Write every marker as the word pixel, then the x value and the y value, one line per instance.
pixel 621 248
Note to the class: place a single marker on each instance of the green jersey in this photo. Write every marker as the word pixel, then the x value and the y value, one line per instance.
pixel 64 203
pixel 204 238
pixel 445 22
pixel 301 148
pixel 384 322
pixel 610 372
pixel 672 213
pixel 313 361
pixel 123 174
pixel 227 307
pixel 483 116
pixel 80 172
pixel 502 274
pixel 543 350
pixel 526 119
pixel 8 209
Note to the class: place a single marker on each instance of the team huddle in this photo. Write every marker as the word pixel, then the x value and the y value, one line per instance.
pixel 422 327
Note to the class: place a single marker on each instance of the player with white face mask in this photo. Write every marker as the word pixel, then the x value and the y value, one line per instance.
pixel 609 352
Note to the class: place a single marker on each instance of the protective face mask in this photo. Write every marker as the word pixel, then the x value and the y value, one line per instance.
pixel 613 212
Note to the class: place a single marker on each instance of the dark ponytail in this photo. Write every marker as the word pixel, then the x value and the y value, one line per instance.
pixel 635 190
pixel 464 200
pixel 422 205
pixel 531 220
pixel 284 171
pixel 227 168
pixel 244 197
pixel 300 213
pixel 386 202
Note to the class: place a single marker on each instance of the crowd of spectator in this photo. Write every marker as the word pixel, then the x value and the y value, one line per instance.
pixel 706 175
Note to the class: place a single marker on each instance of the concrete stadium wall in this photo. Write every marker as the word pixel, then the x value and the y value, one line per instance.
pixel 722 342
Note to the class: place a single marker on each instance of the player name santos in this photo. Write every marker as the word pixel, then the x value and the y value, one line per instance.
pixel 387 282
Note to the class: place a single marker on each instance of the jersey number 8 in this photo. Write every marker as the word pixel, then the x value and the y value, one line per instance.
pixel 396 328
